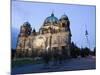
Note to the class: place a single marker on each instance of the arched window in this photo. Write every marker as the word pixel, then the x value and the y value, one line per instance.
pixel 63 24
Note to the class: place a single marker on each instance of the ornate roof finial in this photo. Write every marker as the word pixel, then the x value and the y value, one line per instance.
pixel 52 14
pixel 64 14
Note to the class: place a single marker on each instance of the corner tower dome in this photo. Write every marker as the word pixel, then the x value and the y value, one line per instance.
pixel 64 17
pixel 51 19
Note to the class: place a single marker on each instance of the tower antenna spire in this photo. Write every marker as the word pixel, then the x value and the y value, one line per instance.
pixel 86 35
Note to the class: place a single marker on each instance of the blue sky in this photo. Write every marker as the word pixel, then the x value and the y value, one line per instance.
pixel 80 16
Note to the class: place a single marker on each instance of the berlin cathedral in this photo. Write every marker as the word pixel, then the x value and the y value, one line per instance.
pixel 53 36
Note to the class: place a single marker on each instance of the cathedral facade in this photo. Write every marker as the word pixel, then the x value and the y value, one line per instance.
pixel 54 35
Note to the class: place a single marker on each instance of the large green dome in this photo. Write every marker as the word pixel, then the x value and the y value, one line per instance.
pixel 51 19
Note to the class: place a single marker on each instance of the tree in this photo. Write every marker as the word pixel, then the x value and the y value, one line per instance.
pixel 94 51
pixel 46 57
pixel 75 50
pixel 13 52
pixel 85 52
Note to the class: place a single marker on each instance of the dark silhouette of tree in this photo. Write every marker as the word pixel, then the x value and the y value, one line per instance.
pixel 33 53
pixel 46 56
pixel 75 51
pixel 94 51
pixel 55 56
pixel 85 52
pixel 13 52
pixel 64 54
pixel 61 57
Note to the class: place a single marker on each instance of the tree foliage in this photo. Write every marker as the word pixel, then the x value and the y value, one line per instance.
pixel 83 52
pixel 75 51
pixel 13 52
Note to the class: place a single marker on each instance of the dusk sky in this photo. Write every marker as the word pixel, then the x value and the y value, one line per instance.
pixel 81 17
